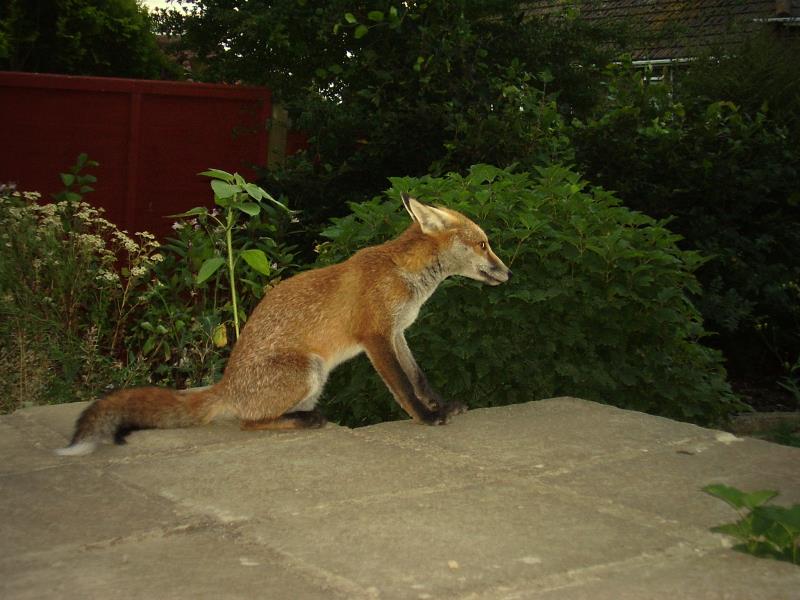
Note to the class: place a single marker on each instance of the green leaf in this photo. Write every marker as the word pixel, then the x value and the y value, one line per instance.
pixel 754 499
pixel 734 497
pixel 788 518
pixel 218 174
pixel 209 267
pixel 82 158
pixel 375 15
pixel 250 208
pixel 361 31
pixel 254 191
pixel 223 202
pixel 67 179
pixel 224 190
pixel 194 212
pixel 737 530
pixel 350 18
pixel 257 260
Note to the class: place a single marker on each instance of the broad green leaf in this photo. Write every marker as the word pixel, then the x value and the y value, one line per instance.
pixel 360 31
pixel 218 174
pixel 350 18
pixel 67 178
pixel 82 158
pixel 254 191
pixel 787 518
pixel 250 208
pixel 757 498
pixel 375 15
pixel 257 260
pixel 194 212
pixel 73 197
pixel 224 190
pixel 734 497
pixel 209 267
pixel 483 173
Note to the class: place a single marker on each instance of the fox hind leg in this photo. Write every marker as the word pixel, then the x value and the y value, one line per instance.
pixel 287 399
pixel 303 419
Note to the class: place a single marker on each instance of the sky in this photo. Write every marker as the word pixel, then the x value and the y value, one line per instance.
pixel 151 4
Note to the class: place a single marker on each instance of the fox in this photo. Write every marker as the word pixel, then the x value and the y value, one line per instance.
pixel 309 324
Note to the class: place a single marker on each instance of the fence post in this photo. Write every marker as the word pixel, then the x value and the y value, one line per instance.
pixel 279 126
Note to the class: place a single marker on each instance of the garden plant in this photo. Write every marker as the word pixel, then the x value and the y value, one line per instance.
pixel 599 307
pixel 762 530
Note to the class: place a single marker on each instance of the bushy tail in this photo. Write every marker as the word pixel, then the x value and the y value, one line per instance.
pixel 120 413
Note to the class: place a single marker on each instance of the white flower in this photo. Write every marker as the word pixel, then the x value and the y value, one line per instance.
pixel 108 276
pixel 177 225
pixel 126 242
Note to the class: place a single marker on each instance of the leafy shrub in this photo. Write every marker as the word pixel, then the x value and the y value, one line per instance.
pixel 185 330
pixel 85 307
pixel 69 287
pixel 731 180
pixel 598 307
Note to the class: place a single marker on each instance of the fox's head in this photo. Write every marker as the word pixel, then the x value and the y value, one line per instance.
pixel 468 251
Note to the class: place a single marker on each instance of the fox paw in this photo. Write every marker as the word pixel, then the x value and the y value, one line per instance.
pixel 455 408
pixel 441 416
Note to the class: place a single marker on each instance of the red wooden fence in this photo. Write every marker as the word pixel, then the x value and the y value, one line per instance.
pixel 151 139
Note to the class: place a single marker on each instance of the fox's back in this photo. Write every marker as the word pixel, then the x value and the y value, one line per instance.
pixel 327 311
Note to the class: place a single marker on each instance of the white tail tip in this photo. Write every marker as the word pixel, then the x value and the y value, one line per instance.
pixel 79 449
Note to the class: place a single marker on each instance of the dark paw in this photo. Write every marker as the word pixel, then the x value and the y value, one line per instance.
pixel 317 420
pixel 437 417
pixel 455 408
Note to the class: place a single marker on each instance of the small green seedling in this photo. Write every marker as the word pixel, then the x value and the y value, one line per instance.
pixel 764 531
pixel 236 197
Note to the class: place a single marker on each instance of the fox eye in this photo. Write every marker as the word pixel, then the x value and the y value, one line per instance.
pixel 482 245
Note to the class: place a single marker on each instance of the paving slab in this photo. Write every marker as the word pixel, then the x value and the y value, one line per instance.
pixel 558 498
pixel 213 563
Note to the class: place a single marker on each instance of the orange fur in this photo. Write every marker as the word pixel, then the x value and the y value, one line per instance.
pixel 308 324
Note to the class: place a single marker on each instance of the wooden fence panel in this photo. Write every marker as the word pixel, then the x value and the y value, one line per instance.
pixel 151 139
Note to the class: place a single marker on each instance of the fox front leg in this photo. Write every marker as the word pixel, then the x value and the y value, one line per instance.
pixel 421 385
pixel 384 358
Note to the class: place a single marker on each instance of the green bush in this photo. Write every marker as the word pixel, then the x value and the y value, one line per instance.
pixel 86 307
pixel 731 180
pixel 598 307
pixel 70 284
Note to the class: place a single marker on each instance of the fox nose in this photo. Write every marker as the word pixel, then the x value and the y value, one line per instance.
pixel 509 273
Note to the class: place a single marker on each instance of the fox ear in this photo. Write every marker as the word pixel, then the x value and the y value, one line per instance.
pixel 430 219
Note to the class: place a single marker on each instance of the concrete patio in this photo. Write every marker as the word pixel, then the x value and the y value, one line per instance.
pixel 559 498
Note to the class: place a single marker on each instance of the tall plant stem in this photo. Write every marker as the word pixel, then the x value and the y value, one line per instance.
pixel 229 242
